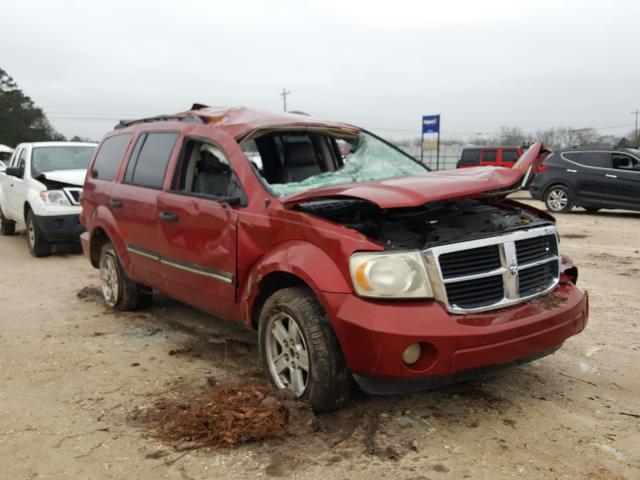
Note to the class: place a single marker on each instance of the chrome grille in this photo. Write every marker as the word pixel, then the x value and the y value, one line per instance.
pixel 468 262
pixel 495 272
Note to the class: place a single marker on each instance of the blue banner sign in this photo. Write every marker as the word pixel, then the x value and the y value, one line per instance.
pixel 431 124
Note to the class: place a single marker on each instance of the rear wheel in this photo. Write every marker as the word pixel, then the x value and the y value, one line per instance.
pixel 38 244
pixel 300 351
pixel 118 290
pixel 558 199
pixel 7 227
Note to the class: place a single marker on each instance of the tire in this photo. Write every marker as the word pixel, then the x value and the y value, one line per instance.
pixel 38 244
pixel 591 209
pixel 558 199
pixel 118 290
pixel 7 227
pixel 327 382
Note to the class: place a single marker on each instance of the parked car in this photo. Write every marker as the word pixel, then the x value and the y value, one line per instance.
pixel 589 177
pixel 364 266
pixel 493 156
pixel 41 189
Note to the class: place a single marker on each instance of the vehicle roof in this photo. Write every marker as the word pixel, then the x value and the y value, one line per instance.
pixel 58 144
pixel 497 146
pixel 598 148
pixel 239 121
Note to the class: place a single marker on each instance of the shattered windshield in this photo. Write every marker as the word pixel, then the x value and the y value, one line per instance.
pixel 365 158
pixel 48 159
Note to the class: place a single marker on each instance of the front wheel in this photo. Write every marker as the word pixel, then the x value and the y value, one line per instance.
pixel 558 199
pixel 118 290
pixel 7 227
pixel 38 244
pixel 300 351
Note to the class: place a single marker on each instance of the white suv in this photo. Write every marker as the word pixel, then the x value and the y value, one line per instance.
pixel 40 190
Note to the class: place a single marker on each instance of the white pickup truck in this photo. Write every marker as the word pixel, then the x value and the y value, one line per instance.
pixel 40 190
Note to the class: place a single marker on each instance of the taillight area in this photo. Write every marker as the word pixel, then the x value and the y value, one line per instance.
pixel 542 168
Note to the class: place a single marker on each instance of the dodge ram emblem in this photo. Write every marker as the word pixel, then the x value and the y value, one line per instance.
pixel 513 269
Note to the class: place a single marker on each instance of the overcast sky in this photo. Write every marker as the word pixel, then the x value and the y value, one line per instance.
pixel 380 64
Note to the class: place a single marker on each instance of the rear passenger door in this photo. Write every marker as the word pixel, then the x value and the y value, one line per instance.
pixel 586 172
pixel 626 170
pixel 198 227
pixel 134 203
pixel 489 156
pixel 509 157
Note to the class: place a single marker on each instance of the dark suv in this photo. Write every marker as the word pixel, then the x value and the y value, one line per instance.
pixel 589 177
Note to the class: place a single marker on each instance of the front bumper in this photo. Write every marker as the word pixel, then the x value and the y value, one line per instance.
pixel 374 334
pixel 60 228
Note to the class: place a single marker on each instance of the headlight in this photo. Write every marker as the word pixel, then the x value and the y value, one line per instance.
pixel 400 275
pixel 55 197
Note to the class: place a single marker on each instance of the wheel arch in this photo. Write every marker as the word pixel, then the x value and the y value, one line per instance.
pixel 294 263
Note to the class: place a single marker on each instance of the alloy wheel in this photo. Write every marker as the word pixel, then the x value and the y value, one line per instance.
pixel 31 234
pixel 109 279
pixel 287 353
pixel 557 199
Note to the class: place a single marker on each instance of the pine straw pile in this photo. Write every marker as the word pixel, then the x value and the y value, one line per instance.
pixel 222 417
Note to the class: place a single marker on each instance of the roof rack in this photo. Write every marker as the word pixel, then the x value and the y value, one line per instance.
pixel 164 118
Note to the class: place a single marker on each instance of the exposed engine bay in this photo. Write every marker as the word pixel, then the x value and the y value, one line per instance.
pixel 426 226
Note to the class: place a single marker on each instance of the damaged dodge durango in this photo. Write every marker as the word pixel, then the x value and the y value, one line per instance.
pixel 352 261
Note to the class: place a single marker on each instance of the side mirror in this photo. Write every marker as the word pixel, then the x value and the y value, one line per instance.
pixel 231 201
pixel 15 172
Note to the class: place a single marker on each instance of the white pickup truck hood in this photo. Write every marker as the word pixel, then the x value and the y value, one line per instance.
pixel 72 177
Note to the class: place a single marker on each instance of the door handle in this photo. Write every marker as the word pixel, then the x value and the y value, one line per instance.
pixel 169 217
pixel 571 170
pixel 610 176
pixel 116 203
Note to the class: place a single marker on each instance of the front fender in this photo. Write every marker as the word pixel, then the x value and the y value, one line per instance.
pixel 302 259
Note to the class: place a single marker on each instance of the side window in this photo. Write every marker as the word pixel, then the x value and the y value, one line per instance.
pixel 470 156
pixel 573 156
pixel 622 161
pixel 148 163
pixel 510 155
pixel 22 159
pixel 251 151
pixel 594 159
pixel 489 155
pixel 204 170
pixel 109 156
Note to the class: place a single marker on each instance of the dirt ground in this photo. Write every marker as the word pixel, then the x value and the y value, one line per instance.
pixel 73 374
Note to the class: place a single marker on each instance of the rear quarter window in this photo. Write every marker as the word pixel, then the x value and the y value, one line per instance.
pixel 590 159
pixel 109 156
pixel 510 155
pixel 148 163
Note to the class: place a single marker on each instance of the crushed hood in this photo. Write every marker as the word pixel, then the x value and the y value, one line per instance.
pixel 72 177
pixel 433 186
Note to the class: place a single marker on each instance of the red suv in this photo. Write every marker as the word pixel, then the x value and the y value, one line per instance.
pixel 489 156
pixel 350 259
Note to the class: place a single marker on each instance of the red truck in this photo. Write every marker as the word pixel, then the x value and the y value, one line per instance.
pixel 489 156
pixel 359 265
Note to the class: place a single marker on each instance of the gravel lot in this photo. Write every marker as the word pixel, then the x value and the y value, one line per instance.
pixel 72 374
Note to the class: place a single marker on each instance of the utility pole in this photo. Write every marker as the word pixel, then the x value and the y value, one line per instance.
pixel 636 113
pixel 284 94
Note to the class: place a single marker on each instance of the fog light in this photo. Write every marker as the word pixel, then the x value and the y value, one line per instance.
pixel 412 354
